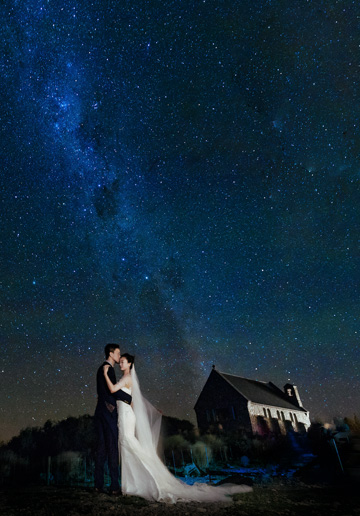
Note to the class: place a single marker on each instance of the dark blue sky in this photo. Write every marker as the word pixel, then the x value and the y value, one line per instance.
pixel 182 177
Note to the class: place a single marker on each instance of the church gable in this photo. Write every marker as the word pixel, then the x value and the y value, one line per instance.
pixel 221 404
pixel 216 388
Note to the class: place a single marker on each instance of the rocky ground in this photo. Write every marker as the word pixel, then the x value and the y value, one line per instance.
pixel 295 499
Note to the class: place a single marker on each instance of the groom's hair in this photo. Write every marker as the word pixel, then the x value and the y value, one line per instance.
pixel 110 348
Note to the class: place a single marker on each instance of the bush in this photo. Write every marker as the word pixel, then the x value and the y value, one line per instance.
pixel 354 425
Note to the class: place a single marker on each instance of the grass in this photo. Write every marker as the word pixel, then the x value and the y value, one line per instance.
pixel 272 500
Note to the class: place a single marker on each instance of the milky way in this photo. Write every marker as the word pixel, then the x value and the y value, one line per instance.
pixel 182 178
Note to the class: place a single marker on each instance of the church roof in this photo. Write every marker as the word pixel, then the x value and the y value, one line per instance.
pixel 259 392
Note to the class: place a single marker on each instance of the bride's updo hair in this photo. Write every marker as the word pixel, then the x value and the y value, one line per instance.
pixel 129 358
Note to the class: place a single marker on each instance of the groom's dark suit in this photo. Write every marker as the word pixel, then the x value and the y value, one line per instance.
pixel 107 429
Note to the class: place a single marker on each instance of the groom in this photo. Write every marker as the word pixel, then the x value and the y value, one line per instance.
pixel 106 422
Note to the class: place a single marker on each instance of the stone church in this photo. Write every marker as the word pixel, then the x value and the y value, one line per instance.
pixel 230 403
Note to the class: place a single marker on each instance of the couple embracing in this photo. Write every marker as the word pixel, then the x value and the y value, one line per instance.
pixel 126 422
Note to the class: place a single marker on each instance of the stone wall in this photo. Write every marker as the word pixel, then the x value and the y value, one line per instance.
pixel 277 419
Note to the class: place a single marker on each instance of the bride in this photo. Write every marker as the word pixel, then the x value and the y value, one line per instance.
pixel 142 471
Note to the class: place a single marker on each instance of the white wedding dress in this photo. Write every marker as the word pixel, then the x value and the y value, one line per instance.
pixel 142 471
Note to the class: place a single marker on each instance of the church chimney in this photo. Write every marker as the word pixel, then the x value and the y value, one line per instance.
pixel 292 393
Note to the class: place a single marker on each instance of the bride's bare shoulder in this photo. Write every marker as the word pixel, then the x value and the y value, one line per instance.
pixel 128 381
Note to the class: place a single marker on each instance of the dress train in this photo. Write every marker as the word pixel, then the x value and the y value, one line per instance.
pixel 144 474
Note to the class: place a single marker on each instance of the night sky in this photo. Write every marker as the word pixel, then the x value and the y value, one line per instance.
pixel 181 177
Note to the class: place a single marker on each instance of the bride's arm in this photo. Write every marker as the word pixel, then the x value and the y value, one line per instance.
pixel 113 388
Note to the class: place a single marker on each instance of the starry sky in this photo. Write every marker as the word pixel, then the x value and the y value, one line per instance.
pixel 181 177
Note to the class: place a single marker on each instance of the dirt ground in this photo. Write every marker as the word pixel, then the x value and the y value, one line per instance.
pixel 285 500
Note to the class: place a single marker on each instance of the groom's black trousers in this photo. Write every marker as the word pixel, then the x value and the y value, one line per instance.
pixel 107 449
